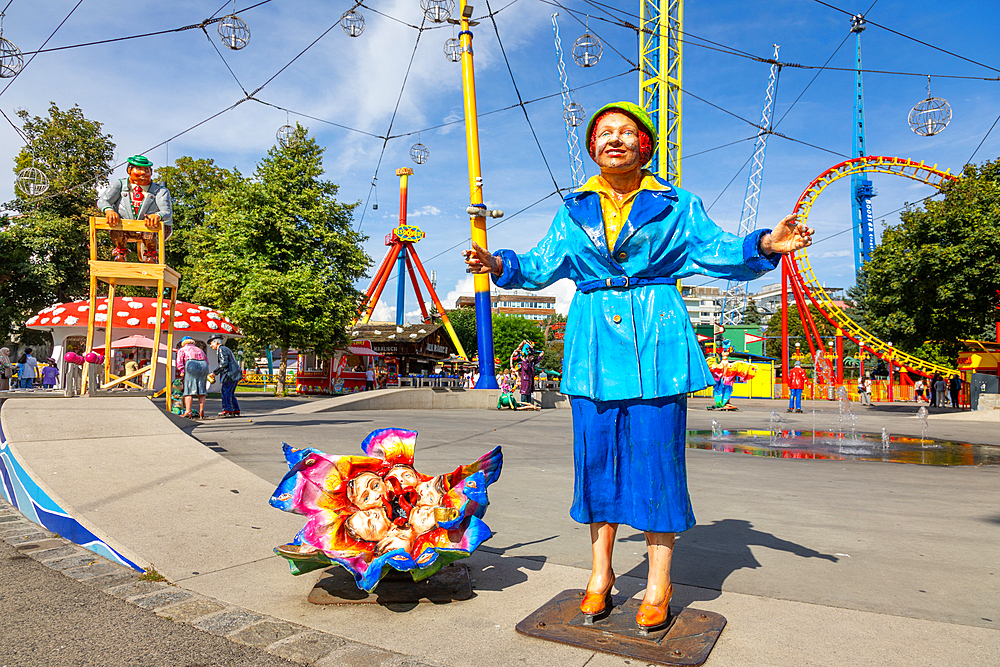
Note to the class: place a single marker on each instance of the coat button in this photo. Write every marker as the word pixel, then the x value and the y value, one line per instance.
pixel 617 319
pixel 622 255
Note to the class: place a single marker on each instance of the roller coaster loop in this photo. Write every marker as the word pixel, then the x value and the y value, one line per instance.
pixel 805 284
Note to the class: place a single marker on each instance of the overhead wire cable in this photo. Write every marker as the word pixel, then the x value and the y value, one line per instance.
pixel 520 101
pixel 392 120
pixel 760 127
pixel 969 161
pixel 21 71
pixel 573 14
pixel 733 51
pixel 468 240
pixel 193 26
pixel 514 106
pixel 318 120
pixel 196 125
pixel 914 39
pixel 224 61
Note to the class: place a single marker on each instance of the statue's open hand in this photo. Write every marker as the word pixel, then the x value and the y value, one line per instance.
pixel 111 215
pixel 480 260
pixel 153 221
pixel 787 237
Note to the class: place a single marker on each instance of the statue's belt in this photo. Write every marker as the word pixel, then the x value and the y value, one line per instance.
pixel 621 282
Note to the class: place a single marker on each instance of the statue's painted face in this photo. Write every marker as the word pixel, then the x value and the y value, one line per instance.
pixel 366 491
pixel 369 525
pixel 616 142
pixel 140 175
pixel 430 492
pixel 405 475
pixel 422 519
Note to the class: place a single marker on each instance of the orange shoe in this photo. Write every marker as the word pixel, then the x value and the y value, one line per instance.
pixel 652 616
pixel 595 605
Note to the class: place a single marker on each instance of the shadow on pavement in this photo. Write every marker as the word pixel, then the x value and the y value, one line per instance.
pixel 705 556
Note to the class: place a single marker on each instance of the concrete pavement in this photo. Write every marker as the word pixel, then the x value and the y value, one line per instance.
pixel 812 562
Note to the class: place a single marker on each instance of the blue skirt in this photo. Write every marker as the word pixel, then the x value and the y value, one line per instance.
pixel 628 458
pixel 195 377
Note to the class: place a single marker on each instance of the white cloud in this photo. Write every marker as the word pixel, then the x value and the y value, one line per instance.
pixel 465 287
pixel 383 312
pixel 836 253
pixel 425 210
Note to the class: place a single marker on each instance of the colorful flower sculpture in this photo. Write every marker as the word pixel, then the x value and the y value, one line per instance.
pixel 371 512
pixel 726 373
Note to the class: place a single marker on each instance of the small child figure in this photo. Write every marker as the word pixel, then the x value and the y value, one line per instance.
pixel 50 374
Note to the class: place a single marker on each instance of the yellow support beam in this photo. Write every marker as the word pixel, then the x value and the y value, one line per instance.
pixel 661 67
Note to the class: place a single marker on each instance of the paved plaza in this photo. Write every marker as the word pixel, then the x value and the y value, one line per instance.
pixel 813 562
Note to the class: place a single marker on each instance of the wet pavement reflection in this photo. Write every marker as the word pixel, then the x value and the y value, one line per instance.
pixel 789 444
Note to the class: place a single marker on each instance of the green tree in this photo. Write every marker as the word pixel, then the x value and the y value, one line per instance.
pixel 510 330
pixel 192 183
pixel 45 249
pixel 282 256
pixel 933 278
pixel 75 156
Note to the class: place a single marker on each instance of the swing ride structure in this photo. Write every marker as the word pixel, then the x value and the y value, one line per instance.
pixel 402 253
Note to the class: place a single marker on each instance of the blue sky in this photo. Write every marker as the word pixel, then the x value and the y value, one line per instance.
pixel 147 90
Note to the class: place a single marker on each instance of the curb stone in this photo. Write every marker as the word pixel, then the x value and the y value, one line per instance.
pixel 273 635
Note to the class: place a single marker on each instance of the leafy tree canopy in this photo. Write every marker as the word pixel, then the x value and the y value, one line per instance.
pixel 933 278
pixel 279 253
pixel 192 183
pixel 44 251
pixel 74 155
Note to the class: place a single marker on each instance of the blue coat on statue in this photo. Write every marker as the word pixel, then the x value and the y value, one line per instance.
pixel 636 342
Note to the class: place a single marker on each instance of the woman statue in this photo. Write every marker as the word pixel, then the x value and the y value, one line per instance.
pixel 631 356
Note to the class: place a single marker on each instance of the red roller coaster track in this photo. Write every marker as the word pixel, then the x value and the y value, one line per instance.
pixel 797 270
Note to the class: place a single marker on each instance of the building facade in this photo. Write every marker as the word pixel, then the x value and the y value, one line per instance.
pixel 528 305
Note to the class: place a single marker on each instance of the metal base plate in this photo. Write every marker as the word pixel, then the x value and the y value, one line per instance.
pixel 450 584
pixel 686 640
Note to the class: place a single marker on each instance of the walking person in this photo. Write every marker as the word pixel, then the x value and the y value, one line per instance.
pixel 864 395
pixel 918 390
pixel 6 369
pixel 27 369
pixel 229 374
pixel 796 383
pixel 193 365
pixel 50 374
pixel 940 391
pixel 954 388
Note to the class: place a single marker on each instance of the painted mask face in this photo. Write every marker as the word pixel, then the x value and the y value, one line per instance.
pixel 140 175
pixel 366 491
pixel 405 475
pixel 617 143
pixel 430 492
pixel 369 525
pixel 422 519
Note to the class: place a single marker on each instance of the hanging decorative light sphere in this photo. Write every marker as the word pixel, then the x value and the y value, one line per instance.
pixel 352 23
pixel 930 116
pixel 437 11
pixel 419 153
pixel 574 114
pixel 233 32
pixel 587 50
pixel 11 60
pixel 31 181
pixel 286 136
pixel 453 49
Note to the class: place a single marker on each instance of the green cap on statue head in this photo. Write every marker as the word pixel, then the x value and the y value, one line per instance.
pixel 638 114
pixel 140 161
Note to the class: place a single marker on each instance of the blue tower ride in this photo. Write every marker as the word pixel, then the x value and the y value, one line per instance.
pixel 861 188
